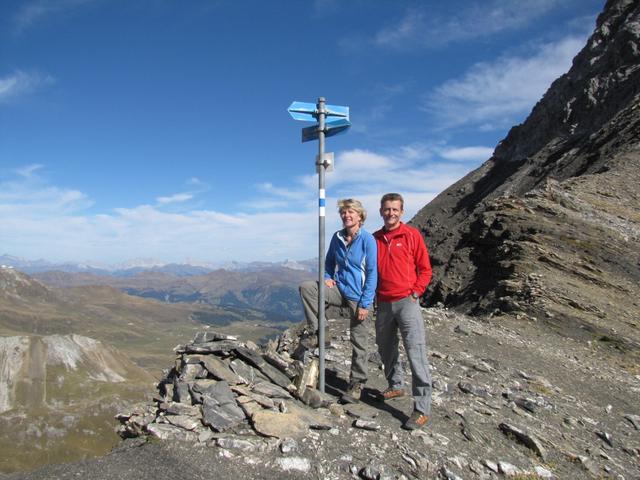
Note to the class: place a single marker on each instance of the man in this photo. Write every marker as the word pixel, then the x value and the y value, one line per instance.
pixel 404 271
pixel 350 278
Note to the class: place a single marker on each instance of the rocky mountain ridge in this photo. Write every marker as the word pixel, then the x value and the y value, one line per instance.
pixel 548 227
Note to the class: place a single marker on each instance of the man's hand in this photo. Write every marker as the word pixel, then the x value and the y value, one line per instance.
pixel 362 314
pixel 330 283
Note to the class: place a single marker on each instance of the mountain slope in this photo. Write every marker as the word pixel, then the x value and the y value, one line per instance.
pixel 272 290
pixel 58 396
pixel 144 329
pixel 548 227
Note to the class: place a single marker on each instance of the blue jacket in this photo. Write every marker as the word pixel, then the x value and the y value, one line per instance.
pixel 354 267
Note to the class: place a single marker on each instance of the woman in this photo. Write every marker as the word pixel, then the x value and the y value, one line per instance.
pixel 350 278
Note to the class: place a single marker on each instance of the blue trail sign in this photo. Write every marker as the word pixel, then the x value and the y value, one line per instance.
pixel 308 112
pixel 330 129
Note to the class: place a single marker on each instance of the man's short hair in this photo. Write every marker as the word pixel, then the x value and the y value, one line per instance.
pixel 353 204
pixel 392 197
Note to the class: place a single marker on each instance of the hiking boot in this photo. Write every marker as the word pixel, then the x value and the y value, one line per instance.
pixel 416 421
pixel 353 393
pixel 391 393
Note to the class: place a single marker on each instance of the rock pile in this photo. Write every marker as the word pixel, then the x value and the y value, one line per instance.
pixel 221 387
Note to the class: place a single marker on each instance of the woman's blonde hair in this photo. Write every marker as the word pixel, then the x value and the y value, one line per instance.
pixel 353 204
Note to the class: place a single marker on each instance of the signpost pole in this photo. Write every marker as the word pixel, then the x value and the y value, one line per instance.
pixel 308 112
pixel 321 228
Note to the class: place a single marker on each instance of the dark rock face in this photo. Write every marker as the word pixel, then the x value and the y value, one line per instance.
pixel 548 227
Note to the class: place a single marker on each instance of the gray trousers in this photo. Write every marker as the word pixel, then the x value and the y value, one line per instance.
pixel 404 315
pixel 358 336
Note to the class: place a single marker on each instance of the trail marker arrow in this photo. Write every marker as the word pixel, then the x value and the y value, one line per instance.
pixel 330 129
pixel 308 112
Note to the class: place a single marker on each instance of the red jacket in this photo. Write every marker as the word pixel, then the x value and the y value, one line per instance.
pixel 403 263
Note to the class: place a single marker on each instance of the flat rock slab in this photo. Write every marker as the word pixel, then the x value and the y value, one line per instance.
pixel 212 347
pixel 473 389
pixel 174 408
pixel 220 370
pixel 313 418
pixel 246 372
pixel 279 425
pixel 270 390
pixel 181 392
pixel 205 337
pixel 221 417
pixel 255 359
pixel 249 406
pixel 529 440
pixel 360 410
pixel 165 431
pixel 263 400
pixel 184 421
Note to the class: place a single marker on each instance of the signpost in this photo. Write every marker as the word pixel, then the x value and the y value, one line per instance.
pixel 330 129
pixel 309 112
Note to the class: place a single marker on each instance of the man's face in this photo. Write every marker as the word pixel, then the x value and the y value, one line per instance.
pixel 391 212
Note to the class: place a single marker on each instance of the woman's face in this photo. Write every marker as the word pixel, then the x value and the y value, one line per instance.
pixel 350 218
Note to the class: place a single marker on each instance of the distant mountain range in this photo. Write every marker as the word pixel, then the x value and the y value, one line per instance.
pixel 269 287
pixel 145 329
pixel 273 291
pixel 135 266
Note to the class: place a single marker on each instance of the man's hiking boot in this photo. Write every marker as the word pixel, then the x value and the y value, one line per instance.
pixel 391 393
pixel 353 393
pixel 416 421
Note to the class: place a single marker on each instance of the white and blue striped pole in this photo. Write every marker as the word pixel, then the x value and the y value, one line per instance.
pixel 321 227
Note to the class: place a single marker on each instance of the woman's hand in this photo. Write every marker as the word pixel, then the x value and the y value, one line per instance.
pixel 330 283
pixel 362 314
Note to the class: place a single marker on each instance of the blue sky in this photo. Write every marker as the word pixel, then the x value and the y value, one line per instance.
pixel 158 128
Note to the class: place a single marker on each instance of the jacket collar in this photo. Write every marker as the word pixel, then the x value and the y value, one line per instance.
pixel 342 233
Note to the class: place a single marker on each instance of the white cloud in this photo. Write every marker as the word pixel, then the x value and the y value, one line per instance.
pixel 364 160
pixel 21 83
pixel 410 26
pixel 498 94
pixel 176 198
pixel 283 193
pixel 44 220
pixel 422 27
pixel 28 171
pixel 195 181
pixel 466 154
pixel 29 194
pixel 34 11
pixel 418 171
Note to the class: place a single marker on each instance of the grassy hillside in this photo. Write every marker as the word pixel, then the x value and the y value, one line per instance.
pixel 54 413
